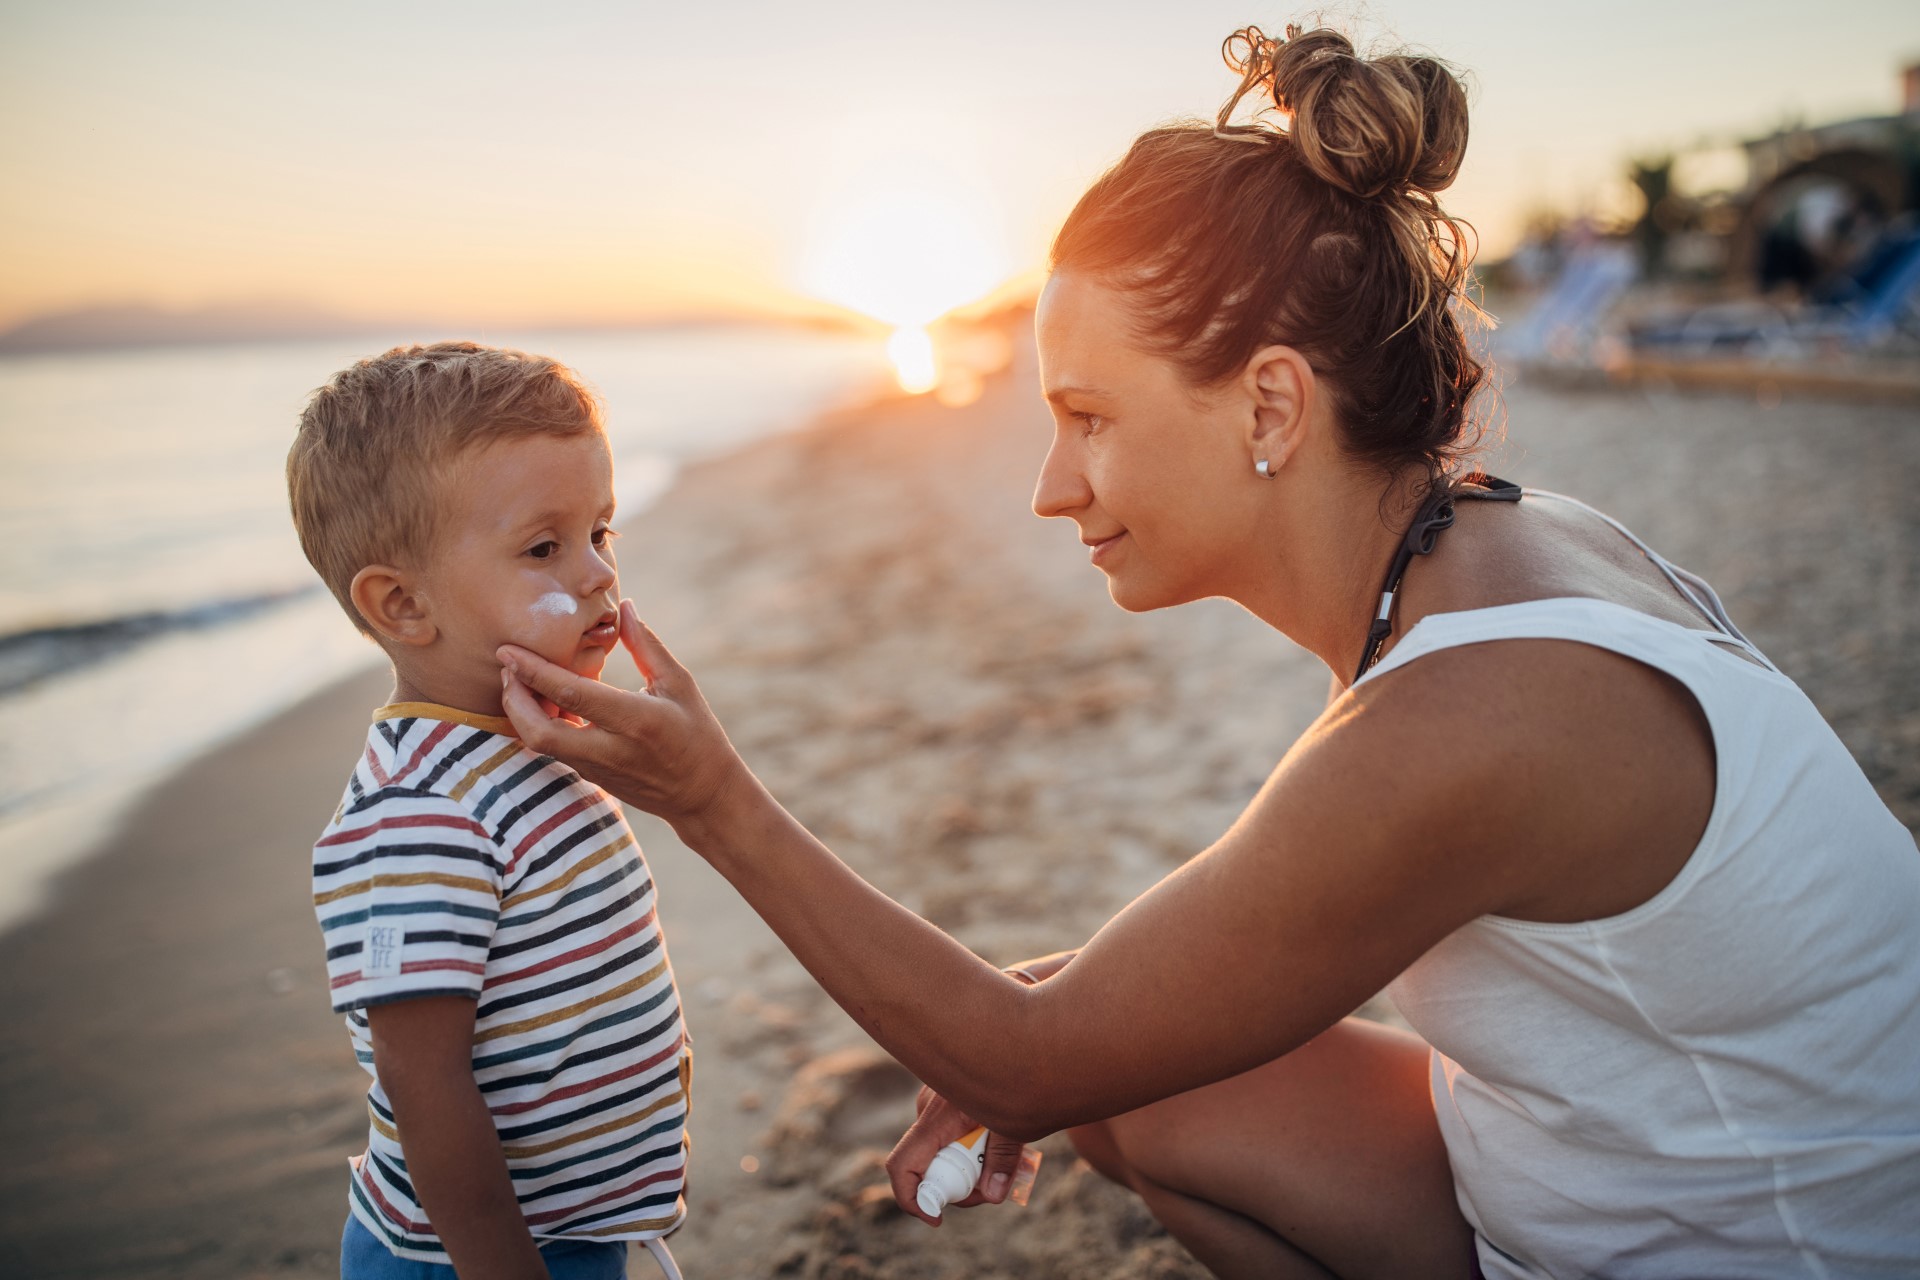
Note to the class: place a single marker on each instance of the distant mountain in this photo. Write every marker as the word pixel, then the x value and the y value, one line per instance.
pixel 144 325
pixel 138 325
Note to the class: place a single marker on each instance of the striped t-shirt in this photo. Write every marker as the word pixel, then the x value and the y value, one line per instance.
pixel 462 863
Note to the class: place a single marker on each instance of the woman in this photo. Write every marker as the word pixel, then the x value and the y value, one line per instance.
pixel 1651 919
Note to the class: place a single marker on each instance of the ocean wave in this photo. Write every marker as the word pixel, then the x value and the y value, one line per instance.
pixel 40 653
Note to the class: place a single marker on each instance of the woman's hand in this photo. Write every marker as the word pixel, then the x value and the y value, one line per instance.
pixel 938 1123
pixel 660 750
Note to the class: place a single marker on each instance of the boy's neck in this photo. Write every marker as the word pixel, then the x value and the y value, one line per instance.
pixel 406 689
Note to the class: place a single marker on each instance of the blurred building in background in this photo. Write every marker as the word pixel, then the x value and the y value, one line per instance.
pixel 1802 243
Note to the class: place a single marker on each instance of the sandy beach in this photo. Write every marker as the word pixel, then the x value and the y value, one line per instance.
pixel 936 683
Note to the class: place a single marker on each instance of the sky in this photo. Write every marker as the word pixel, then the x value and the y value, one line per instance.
pixel 602 162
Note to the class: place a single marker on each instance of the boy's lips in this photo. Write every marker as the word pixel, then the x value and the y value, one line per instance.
pixel 605 632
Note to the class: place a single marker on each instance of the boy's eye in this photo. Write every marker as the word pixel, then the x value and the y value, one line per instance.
pixel 601 537
pixel 541 550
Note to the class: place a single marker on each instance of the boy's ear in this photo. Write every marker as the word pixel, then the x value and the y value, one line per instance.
pixel 1280 386
pixel 386 598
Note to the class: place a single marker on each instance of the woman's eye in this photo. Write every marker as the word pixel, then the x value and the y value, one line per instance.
pixel 1090 422
pixel 541 550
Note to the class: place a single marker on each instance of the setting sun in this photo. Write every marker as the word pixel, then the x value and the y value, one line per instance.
pixel 906 255
pixel 914 363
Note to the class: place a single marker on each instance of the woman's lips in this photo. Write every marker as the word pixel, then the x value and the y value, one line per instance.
pixel 1102 550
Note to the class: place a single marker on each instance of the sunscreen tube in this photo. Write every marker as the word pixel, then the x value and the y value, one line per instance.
pixel 954 1170
pixel 957 1167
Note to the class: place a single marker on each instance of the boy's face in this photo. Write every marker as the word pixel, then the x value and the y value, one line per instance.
pixel 523 555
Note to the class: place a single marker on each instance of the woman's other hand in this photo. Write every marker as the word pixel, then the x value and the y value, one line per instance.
pixel 938 1123
pixel 660 750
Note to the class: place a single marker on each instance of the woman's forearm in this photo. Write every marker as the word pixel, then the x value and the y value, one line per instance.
pixel 955 1021
pixel 963 1027
pixel 1256 926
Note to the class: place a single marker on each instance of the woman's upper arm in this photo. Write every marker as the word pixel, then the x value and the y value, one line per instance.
pixel 1357 856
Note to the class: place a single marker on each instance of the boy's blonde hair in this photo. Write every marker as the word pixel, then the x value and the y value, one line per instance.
pixel 365 474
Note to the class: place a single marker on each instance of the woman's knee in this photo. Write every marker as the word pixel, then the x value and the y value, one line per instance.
pixel 1095 1144
pixel 1340 1119
pixel 1142 1149
pixel 1333 1150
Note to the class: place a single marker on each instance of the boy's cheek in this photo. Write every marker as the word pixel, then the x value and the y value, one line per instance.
pixel 557 641
pixel 562 644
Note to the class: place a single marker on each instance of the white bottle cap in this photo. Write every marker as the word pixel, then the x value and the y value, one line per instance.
pixel 951 1175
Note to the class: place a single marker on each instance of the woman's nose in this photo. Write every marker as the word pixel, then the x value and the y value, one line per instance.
pixel 1062 487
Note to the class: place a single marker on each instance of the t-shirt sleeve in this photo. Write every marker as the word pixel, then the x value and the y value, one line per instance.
pixel 408 892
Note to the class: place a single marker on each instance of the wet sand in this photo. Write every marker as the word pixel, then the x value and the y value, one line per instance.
pixel 936 682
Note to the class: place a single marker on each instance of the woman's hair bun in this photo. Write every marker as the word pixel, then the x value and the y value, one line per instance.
pixel 1368 126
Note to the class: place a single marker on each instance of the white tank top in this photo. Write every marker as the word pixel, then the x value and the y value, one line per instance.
pixel 1724 1082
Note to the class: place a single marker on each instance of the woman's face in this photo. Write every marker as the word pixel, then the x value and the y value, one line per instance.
pixel 1156 473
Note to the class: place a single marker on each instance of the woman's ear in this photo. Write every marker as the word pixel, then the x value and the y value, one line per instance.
pixel 386 598
pixel 1279 384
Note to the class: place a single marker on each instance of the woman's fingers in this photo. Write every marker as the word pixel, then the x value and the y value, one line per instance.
pixel 566 690
pixel 996 1176
pixel 648 654
pixel 539 728
pixel 907 1164
pixel 939 1123
pixel 630 629
pixel 659 750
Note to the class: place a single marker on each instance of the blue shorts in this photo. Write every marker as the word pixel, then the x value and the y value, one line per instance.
pixel 363 1257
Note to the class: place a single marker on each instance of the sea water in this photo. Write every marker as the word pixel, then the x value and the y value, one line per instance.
pixel 153 597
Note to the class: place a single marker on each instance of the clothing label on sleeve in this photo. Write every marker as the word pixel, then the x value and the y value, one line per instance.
pixel 381 952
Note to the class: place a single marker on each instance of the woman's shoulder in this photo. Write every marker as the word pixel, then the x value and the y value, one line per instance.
pixel 1575 778
pixel 1546 547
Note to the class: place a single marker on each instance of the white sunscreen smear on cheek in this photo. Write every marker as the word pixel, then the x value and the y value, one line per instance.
pixel 555 604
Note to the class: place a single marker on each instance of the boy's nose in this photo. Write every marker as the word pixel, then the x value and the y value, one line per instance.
pixel 600 576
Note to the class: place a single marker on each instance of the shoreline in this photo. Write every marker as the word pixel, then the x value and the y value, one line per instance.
pixel 934 681
pixel 176 687
pixel 198 536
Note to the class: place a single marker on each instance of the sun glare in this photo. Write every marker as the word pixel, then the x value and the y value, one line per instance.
pixel 906 255
pixel 914 365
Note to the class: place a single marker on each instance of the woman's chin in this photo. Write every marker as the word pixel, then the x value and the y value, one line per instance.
pixel 1140 593
pixel 1134 597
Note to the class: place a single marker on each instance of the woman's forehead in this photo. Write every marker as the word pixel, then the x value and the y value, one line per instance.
pixel 1083 332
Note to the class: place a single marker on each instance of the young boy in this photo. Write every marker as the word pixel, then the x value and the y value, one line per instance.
pixel 488 919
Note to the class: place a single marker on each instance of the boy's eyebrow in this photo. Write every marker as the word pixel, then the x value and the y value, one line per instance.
pixel 557 515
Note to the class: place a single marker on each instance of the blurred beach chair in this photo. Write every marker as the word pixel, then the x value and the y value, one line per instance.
pixel 1879 300
pixel 1871 306
pixel 1571 315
